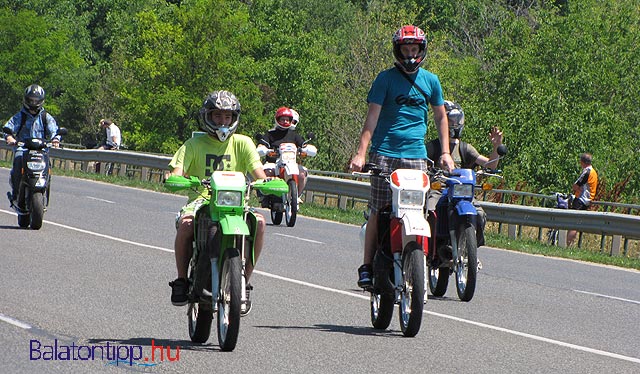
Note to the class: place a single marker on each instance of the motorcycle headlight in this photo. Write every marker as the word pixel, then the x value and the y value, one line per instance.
pixel 36 165
pixel 411 197
pixel 463 190
pixel 229 198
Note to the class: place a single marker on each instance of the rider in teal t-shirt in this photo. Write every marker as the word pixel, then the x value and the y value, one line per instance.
pixel 402 122
pixel 396 125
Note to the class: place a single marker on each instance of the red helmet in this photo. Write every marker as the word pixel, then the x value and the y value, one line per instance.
pixel 285 122
pixel 410 35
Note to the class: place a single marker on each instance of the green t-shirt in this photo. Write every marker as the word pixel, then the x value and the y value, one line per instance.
pixel 202 155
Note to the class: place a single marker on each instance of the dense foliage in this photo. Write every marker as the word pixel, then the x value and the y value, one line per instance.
pixel 559 77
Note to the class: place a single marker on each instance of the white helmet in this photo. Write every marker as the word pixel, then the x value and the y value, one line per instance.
pixel 295 120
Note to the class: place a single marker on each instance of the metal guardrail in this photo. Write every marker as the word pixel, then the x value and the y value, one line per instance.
pixel 604 223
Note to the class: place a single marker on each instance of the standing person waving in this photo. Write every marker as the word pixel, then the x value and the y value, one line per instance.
pixel 396 124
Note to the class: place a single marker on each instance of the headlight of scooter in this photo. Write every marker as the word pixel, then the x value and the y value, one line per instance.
pixel 229 198
pixel 463 190
pixel 36 165
pixel 411 197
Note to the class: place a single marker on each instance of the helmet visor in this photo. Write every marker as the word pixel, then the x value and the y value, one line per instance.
pixel 33 102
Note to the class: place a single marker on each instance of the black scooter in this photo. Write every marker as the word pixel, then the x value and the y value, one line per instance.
pixel 34 186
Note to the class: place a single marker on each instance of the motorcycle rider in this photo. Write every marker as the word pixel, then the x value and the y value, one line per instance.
pixel 284 132
pixel 220 149
pixel 396 124
pixel 32 121
pixel 464 156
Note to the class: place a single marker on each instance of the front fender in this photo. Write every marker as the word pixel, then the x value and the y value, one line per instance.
pixel 233 225
pixel 291 169
pixel 415 224
pixel 466 208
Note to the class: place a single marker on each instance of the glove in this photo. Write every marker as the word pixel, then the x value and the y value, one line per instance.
pixel 262 150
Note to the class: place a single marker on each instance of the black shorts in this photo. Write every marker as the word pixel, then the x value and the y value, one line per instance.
pixel 578 205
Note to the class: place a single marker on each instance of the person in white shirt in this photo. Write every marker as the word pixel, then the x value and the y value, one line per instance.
pixel 113 135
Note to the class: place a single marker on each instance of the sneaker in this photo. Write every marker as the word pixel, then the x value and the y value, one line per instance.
pixel 245 308
pixel 179 289
pixel 364 276
pixel 299 200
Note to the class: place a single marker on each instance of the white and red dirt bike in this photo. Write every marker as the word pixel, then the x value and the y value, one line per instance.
pixel 285 167
pixel 399 263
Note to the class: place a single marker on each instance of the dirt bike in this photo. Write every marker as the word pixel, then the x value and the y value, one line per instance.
pixel 399 265
pixel 563 201
pixel 285 167
pixel 454 246
pixel 224 235
pixel 35 184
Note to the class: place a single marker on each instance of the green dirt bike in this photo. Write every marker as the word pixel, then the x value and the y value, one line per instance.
pixel 225 230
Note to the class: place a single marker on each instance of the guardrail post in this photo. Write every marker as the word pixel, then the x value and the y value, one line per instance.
pixel 123 170
pixel 562 238
pixel 512 231
pixel 615 245
pixel 145 174
pixel 342 202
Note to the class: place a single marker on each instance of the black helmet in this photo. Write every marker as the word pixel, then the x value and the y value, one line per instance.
pixel 220 100
pixel 455 116
pixel 33 98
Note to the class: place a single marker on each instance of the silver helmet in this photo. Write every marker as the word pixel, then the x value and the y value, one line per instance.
pixel 220 100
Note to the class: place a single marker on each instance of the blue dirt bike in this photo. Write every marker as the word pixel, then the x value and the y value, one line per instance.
pixel 454 247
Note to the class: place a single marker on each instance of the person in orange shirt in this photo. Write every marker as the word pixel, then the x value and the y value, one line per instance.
pixel 584 189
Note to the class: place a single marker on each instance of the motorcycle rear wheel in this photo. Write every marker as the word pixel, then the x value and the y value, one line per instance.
pixel 291 205
pixel 438 280
pixel 37 210
pixel 200 317
pixel 229 300
pixel 24 220
pixel 412 295
pixel 381 310
pixel 466 265
pixel 276 217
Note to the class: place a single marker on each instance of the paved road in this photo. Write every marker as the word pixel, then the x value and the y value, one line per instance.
pixel 95 277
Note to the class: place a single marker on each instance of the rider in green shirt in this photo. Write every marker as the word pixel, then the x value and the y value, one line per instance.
pixel 219 149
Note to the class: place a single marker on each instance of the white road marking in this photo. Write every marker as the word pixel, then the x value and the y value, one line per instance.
pixel 608 296
pixel 98 199
pixel 14 322
pixel 359 296
pixel 295 237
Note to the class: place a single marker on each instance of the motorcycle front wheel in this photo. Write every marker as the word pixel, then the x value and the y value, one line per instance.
pixel 412 295
pixel 229 300
pixel 37 210
pixel 466 265
pixel 200 317
pixel 291 208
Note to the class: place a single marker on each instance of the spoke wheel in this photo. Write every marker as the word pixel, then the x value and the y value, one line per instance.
pixel 200 317
pixel 381 310
pixel 291 205
pixel 412 295
pixel 466 265
pixel 229 300
pixel 276 217
pixel 438 280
